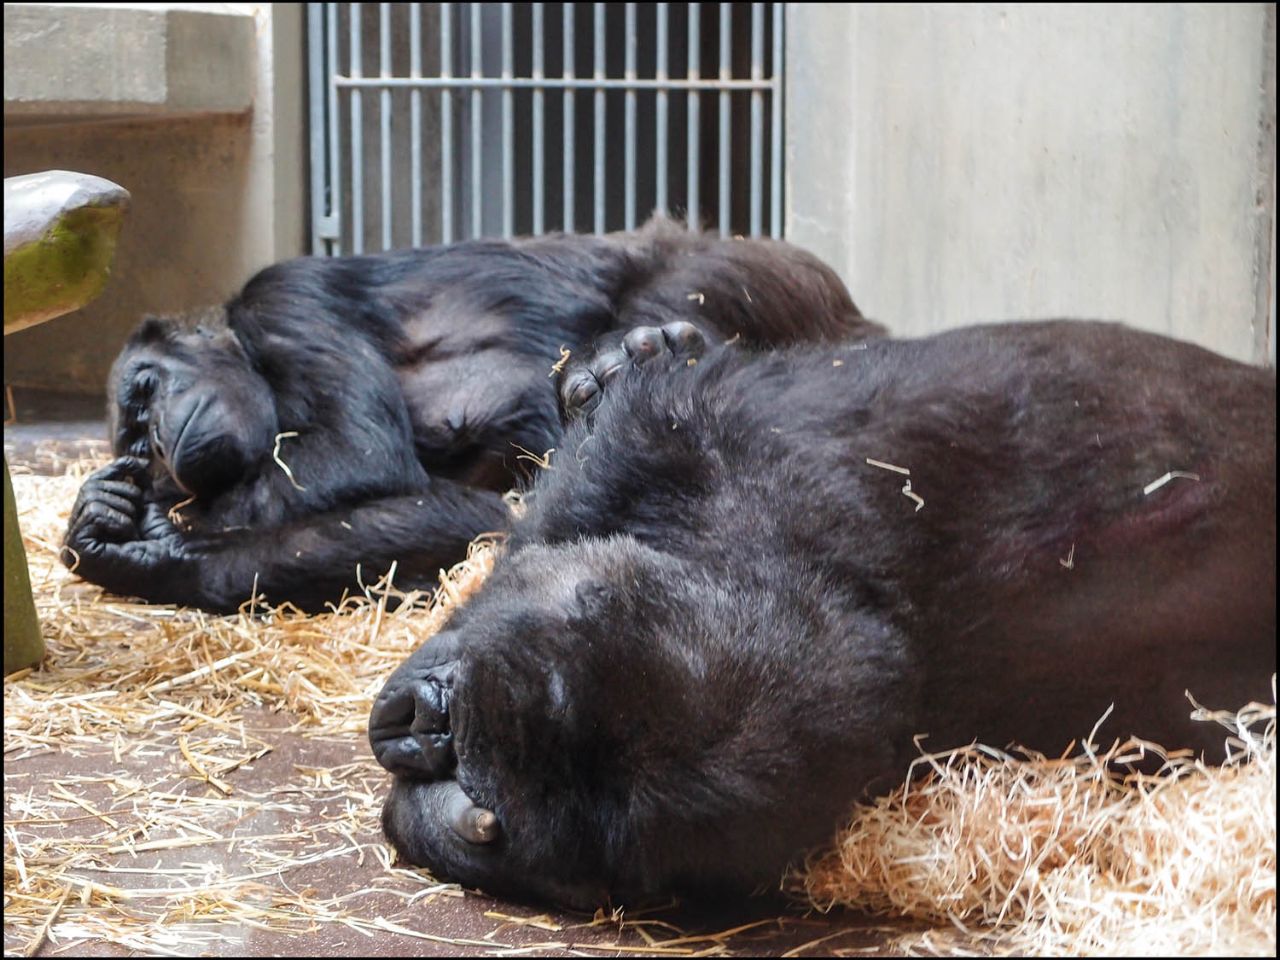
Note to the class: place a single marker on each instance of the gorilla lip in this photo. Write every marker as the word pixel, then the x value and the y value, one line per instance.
pixel 170 466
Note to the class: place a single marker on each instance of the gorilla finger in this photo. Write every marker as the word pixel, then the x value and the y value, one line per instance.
pixel 644 343
pixel 120 488
pixel 472 823
pixel 580 392
pixel 684 339
pixel 606 365
pixel 100 521
pixel 133 468
pixel 155 523
pixel 124 505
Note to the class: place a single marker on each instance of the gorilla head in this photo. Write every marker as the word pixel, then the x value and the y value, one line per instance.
pixel 186 397
pixel 467 820
pixel 590 728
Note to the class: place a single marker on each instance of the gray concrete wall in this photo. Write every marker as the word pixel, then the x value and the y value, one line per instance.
pixel 216 195
pixel 989 161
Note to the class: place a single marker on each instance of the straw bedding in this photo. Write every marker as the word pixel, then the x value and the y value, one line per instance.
pixel 1003 852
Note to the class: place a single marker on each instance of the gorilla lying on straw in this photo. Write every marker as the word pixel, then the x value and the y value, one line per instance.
pixel 342 414
pixel 747 583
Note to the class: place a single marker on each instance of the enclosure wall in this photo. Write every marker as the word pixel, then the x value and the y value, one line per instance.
pixel 991 161
pixel 197 110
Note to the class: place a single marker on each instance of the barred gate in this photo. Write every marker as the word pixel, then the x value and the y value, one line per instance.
pixel 438 122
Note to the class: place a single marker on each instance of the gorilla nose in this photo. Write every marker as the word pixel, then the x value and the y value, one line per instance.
pixel 409 727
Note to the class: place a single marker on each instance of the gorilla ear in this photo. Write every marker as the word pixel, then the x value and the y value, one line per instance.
pixel 593 597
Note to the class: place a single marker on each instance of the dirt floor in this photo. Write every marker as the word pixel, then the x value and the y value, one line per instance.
pixel 198 823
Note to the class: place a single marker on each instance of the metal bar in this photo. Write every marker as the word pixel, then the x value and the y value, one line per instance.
pixel 446 125
pixel 570 135
pixel 384 117
pixel 335 156
pixel 726 71
pixel 357 140
pixel 629 121
pixel 598 50
pixel 415 121
pixel 508 127
pixel 539 122
pixel 775 107
pixel 757 117
pixel 476 118
pixel 693 214
pixel 660 132
pixel 554 83
pixel 315 74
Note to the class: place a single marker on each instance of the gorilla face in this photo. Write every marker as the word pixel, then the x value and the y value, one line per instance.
pixel 505 778
pixel 188 399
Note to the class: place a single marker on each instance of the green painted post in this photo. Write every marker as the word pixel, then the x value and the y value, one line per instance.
pixel 23 644
pixel 60 232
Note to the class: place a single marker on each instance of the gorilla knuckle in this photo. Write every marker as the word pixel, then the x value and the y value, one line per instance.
pixel 644 343
pixel 684 339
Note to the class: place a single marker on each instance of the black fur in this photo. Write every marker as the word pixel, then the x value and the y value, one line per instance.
pixel 720 622
pixel 400 390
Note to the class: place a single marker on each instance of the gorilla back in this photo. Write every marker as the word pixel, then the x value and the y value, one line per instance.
pixel 340 415
pixel 748 583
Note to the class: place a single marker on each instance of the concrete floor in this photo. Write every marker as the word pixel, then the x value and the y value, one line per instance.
pixel 456 915
pixel 49 430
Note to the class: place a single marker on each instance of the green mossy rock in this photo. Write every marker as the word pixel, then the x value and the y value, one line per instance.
pixel 60 233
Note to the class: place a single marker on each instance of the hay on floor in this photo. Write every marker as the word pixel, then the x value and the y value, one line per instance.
pixel 200 699
pixel 1032 855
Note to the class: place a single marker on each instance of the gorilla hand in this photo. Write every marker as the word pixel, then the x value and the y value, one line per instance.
pixel 115 533
pixel 582 387
pixel 108 508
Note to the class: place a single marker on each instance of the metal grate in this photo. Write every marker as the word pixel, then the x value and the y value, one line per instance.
pixel 436 122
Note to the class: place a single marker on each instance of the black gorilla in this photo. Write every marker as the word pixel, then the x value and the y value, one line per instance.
pixel 339 415
pixel 750 581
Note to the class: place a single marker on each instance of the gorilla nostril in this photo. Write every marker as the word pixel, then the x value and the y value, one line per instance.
pixel 430 707
pixel 399 755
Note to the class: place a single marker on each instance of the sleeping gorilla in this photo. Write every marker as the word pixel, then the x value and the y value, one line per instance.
pixel 339 415
pixel 730 607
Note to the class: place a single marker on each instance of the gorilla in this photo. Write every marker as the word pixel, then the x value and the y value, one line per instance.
pixel 339 415
pixel 750 581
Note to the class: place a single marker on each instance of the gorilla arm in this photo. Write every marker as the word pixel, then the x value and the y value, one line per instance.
pixel 123 540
